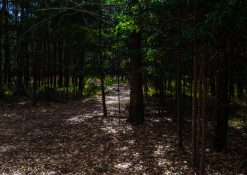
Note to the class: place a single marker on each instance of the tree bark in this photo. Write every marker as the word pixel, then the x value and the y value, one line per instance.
pixel 54 64
pixel 194 101
pixel 81 74
pixel 204 103
pixel 102 76
pixel 60 66
pixel 1 73
pixel 136 107
pixel 222 104
pixel 7 76
pixel 35 87
pixel 178 101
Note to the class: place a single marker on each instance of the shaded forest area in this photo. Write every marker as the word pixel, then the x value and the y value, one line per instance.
pixel 123 87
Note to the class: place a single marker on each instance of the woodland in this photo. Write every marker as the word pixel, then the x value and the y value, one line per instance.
pixel 125 87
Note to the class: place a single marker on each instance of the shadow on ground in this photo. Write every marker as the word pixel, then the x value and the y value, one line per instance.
pixel 74 139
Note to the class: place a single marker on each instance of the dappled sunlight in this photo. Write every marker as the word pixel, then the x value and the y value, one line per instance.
pixel 123 166
pixel 13 173
pixel 75 138
pixel 124 148
pixel 133 167
pixel 44 110
pixel 5 148
pixel 22 103
pixel 110 130
pixel 79 118
pixel 163 161
pixel 39 171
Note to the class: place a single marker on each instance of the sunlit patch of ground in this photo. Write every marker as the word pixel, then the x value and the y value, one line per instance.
pixel 74 139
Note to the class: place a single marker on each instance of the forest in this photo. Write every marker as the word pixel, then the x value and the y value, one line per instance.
pixel 125 87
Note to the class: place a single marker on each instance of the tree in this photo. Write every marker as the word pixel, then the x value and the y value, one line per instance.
pixel 7 77
pixel 136 106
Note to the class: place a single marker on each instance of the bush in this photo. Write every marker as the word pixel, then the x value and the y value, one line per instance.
pixel 91 87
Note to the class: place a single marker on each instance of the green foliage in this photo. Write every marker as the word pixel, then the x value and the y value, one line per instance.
pixel 126 25
pixel 108 81
pixel 91 87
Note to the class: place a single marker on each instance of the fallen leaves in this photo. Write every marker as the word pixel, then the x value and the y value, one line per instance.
pixel 72 139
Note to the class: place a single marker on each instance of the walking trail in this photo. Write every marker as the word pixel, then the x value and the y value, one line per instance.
pixel 72 138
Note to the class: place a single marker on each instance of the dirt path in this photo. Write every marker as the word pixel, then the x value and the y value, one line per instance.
pixel 72 139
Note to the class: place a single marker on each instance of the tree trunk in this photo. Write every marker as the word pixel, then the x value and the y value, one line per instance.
pixel 54 64
pixel 81 75
pixel 194 102
pixel 20 52
pixel 7 77
pixel 194 115
pixel 35 61
pixel 222 105
pixel 178 82
pixel 204 101
pixel 67 73
pixel 199 113
pixel 1 34
pixel 26 66
pixel 60 63
pixel 102 83
pixel 240 88
pixel 136 107
pixel 178 102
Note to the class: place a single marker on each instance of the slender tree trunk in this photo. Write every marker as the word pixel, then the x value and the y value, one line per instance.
pixel 60 66
pixel 222 104
pixel 54 64
pixel 146 88
pixel 81 75
pixel 199 113
pixel 20 51
pixel 170 89
pixel 26 66
pixel 7 74
pixel 102 83
pixel 178 81
pixel 161 94
pixel 178 102
pixel 67 75
pixel 194 101
pixel 35 58
pixel 194 115
pixel 204 103
pixel 240 88
pixel 1 73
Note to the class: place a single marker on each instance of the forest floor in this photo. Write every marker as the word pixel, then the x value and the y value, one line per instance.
pixel 72 138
